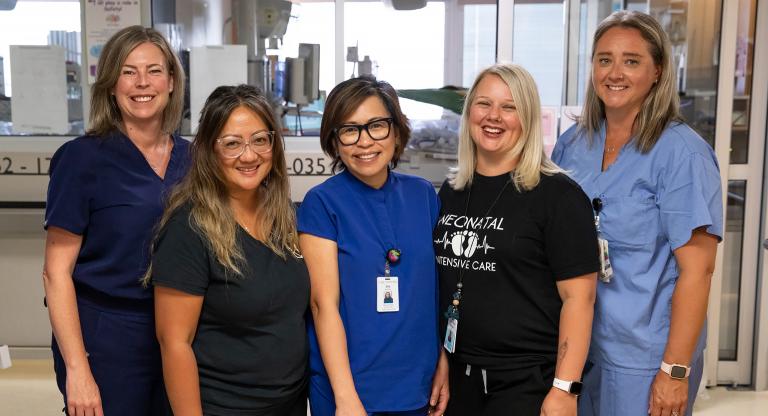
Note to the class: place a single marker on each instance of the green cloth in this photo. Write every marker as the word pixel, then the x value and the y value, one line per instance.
pixel 444 97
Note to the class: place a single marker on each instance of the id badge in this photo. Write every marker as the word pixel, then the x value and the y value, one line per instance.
pixel 451 331
pixel 606 271
pixel 387 294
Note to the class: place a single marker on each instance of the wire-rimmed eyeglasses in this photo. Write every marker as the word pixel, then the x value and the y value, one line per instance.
pixel 234 146
pixel 349 134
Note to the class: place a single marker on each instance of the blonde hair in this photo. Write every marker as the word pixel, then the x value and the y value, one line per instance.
pixel 529 147
pixel 661 106
pixel 105 115
pixel 204 187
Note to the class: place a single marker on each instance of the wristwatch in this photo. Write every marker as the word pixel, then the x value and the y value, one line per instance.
pixel 676 371
pixel 573 387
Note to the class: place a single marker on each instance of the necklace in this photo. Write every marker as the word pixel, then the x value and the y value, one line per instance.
pixel 164 153
pixel 453 309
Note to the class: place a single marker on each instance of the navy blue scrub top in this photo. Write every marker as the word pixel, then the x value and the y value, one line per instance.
pixel 103 189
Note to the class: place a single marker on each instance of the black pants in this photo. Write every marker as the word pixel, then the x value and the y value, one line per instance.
pixel 475 392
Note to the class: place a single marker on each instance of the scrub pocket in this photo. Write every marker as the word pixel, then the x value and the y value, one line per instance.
pixel 630 221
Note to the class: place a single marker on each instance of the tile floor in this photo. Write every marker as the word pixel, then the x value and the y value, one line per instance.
pixel 29 389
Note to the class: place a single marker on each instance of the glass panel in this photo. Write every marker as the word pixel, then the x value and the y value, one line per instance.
pixel 479 40
pixel 42 23
pixel 694 27
pixel 542 56
pixel 745 46
pixel 732 251
pixel 400 58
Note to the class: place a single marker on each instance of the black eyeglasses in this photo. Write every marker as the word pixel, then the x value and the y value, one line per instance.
pixel 349 134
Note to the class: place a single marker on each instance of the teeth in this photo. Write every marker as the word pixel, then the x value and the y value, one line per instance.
pixel 247 169
pixel 492 130
pixel 143 99
pixel 616 88
pixel 367 156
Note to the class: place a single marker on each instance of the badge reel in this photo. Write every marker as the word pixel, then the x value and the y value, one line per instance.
pixel 452 329
pixel 606 271
pixel 387 290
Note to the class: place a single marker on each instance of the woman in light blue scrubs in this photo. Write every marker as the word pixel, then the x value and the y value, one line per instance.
pixel 366 236
pixel 655 188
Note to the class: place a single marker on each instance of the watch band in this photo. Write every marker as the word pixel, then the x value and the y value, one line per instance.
pixel 572 387
pixel 676 371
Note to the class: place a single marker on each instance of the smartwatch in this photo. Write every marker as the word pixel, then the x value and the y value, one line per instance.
pixel 572 387
pixel 676 371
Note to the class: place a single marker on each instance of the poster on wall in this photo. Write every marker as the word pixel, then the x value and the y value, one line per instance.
pixel 39 104
pixel 103 18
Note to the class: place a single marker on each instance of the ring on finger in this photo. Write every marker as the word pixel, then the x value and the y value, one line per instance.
pixel 675 413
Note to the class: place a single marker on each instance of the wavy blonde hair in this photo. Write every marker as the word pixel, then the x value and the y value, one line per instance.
pixel 533 162
pixel 661 106
pixel 105 115
pixel 204 187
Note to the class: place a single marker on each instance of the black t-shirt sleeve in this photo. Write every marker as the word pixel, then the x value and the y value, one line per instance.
pixel 181 258
pixel 571 238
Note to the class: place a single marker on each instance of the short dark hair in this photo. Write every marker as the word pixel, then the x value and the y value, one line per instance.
pixel 345 98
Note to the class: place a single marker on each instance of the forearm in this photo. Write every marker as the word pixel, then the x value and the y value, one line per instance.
pixel 181 378
pixel 333 347
pixel 65 320
pixel 573 340
pixel 689 310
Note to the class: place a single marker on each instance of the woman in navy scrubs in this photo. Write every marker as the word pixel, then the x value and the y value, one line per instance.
pixel 231 290
pixel 104 199
pixel 365 232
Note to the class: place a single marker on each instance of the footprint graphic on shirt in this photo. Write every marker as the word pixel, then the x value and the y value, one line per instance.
pixel 464 243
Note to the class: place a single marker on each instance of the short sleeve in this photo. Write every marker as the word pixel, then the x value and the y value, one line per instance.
pixel 557 152
pixel 570 236
pixel 314 217
pixel 181 258
pixel 69 190
pixel 691 198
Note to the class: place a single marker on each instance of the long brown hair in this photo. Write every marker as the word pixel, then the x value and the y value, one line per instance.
pixel 204 187
pixel 105 116
pixel 662 105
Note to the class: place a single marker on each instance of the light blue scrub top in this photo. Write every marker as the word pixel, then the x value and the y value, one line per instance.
pixel 651 204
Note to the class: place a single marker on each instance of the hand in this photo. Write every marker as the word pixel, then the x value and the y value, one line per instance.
pixel 438 400
pixel 355 408
pixel 558 403
pixel 83 398
pixel 669 396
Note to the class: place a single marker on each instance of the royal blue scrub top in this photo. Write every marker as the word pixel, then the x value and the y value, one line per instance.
pixel 392 355
pixel 651 204
pixel 103 189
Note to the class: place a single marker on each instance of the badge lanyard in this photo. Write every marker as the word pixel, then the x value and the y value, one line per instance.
pixel 606 270
pixel 452 313
pixel 387 286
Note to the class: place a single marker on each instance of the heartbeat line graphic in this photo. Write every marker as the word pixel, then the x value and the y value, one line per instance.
pixel 464 243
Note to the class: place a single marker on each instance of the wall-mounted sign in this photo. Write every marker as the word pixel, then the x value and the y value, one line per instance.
pixel 103 18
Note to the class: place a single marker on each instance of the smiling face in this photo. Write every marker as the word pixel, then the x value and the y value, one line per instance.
pixel 493 121
pixel 368 159
pixel 245 173
pixel 143 89
pixel 623 70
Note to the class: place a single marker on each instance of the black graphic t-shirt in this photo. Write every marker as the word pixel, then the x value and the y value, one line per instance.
pixel 511 258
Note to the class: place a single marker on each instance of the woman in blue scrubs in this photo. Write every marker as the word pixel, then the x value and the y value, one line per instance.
pixel 365 232
pixel 104 198
pixel 655 188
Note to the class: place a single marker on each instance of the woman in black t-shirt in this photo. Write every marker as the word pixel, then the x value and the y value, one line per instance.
pixel 517 253
pixel 231 290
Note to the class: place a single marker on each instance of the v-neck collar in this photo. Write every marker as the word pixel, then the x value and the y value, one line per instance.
pixel 174 151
